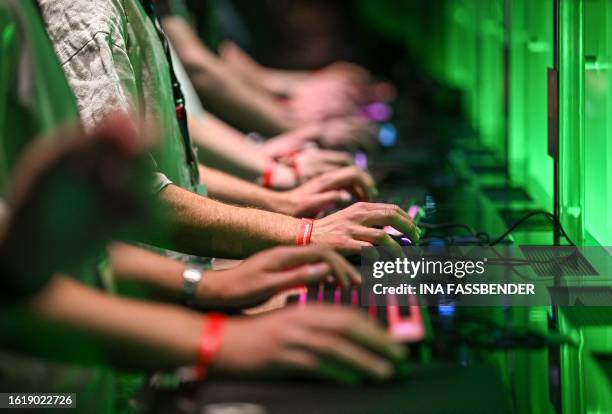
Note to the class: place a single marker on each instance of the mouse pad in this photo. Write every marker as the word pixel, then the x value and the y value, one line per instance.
pixel 433 388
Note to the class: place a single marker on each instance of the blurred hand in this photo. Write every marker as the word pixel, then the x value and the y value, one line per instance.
pixel 321 341
pixel 350 72
pixel 74 193
pixel 312 162
pixel 271 271
pixel 348 132
pixel 320 97
pixel 361 225
pixel 334 188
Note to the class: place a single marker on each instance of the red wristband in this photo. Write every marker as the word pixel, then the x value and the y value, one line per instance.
pixel 304 232
pixel 266 176
pixel 296 172
pixel 210 339
pixel 290 160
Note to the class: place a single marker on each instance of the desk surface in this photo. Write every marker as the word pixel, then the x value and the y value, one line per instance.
pixel 433 388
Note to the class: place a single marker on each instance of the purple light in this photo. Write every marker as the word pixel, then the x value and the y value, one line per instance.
pixel 361 160
pixel 377 111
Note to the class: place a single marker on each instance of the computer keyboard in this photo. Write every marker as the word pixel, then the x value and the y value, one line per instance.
pixel 404 320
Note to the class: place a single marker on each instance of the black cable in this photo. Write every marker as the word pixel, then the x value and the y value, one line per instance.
pixel 527 217
pixel 485 237
pixel 442 226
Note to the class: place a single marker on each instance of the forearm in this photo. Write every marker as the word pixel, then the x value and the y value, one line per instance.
pixel 75 323
pixel 277 82
pixel 142 270
pixel 223 147
pixel 233 190
pixel 240 106
pixel 291 141
pixel 206 227
pixel 220 92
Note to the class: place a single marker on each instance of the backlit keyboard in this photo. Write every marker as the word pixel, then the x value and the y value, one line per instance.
pixel 404 320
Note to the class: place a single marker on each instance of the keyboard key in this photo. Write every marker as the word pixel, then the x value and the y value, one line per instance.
pixel 328 293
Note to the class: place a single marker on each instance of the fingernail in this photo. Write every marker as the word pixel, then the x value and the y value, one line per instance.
pixel 345 197
pixel 318 269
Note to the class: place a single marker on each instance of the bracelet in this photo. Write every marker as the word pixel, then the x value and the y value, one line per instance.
pixel 296 172
pixel 304 232
pixel 210 340
pixel 266 176
pixel 290 159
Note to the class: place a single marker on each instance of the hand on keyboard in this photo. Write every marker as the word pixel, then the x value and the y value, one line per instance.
pixel 322 341
pixel 269 272
pixel 360 225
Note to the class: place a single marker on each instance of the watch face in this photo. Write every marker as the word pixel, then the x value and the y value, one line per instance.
pixel 192 275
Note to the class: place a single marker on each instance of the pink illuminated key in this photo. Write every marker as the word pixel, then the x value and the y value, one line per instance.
pixel 372 311
pixel 303 296
pixel 320 293
pixel 406 329
pixel 354 297
pixel 337 296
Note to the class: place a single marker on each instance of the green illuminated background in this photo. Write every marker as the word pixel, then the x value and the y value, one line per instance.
pixel 475 46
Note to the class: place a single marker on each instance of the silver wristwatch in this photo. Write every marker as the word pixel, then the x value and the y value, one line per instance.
pixel 191 277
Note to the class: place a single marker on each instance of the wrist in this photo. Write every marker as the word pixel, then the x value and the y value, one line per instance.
pixel 285 177
pixel 304 233
pixel 210 342
pixel 276 175
pixel 284 202
pixel 192 279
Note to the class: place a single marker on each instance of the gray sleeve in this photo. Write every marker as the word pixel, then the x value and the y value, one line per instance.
pixel 91 46
pixel 160 181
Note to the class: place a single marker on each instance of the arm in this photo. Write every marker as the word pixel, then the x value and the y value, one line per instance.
pixel 276 81
pixel 306 200
pixel 74 323
pixel 206 227
pixel 234 190
pixel 223 148
pixel 250 283
pixel 79 324
pixel 135 268
pixel 221 93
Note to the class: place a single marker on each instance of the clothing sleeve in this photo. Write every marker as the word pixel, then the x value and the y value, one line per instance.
pixel 92 48
pixel 103 81
pixel 160 181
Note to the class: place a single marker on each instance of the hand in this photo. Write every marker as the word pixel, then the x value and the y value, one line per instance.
pixel 324 96
pixel 361 225
pixel 349 71
pixel 101 183
pixel 335 188
pixel 348 132
pixel 322 341
pixel 269 272
pixel 313 162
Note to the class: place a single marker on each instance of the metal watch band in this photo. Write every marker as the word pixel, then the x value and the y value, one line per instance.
pixel 191 278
